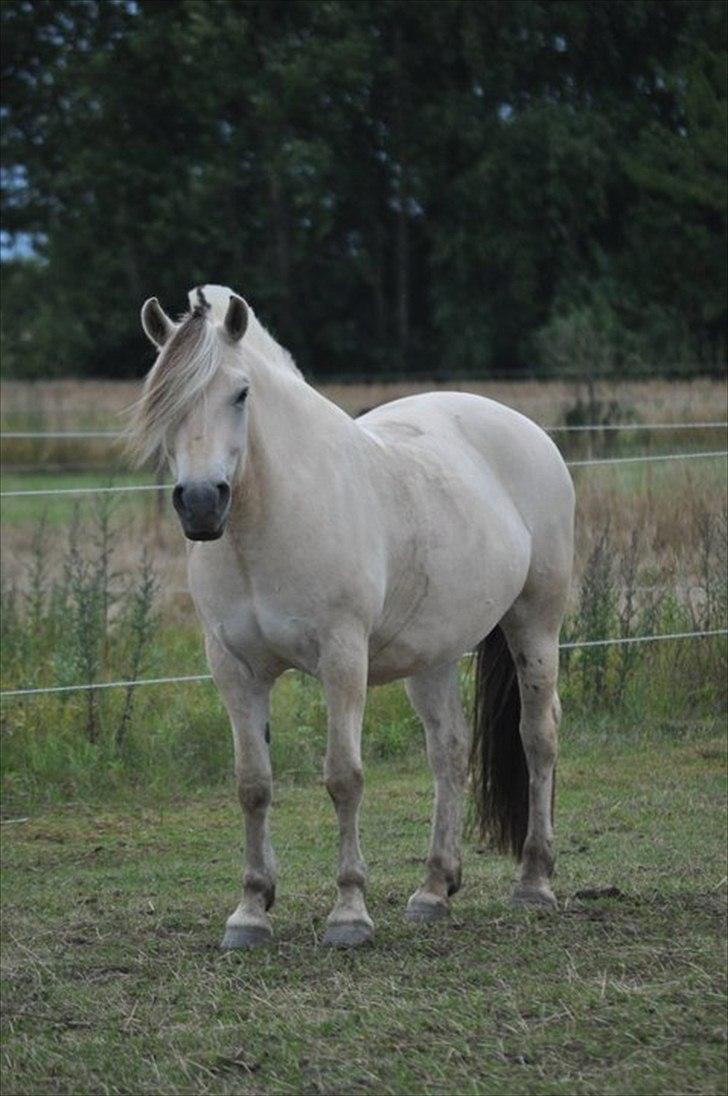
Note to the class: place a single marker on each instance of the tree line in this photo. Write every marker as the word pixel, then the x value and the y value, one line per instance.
pixel 397 186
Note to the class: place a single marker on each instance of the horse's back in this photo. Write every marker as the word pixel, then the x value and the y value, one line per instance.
pixel 482 421
pixel 509 448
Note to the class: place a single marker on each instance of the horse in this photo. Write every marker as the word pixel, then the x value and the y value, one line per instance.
pixel 361 551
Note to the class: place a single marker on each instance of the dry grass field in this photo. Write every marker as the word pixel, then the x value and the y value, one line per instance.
pixel 650 546
pixel 662 501
pixel 69 404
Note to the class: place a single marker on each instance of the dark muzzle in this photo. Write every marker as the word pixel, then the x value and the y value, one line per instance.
pixel 203 509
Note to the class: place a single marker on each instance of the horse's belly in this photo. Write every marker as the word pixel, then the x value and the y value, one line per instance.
pixel 443 607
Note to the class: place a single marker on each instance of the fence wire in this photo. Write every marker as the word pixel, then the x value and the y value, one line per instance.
pixel 645 457
pixel 58 434
pixel 78 435
pixel 613 642
pixel 85 490
pixel 187 678
pixel 45 493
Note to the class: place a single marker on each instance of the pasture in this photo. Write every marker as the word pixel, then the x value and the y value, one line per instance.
pixel 113 981
pixel 122 833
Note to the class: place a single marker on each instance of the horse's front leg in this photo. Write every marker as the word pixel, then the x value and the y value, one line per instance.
pixel 344 677
pixel 247 701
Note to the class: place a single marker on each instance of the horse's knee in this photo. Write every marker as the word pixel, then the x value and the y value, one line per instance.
pixel 344 782
pixel 254 793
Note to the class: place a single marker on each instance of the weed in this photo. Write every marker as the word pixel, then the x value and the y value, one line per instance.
pixel 140 625
pixel 650 559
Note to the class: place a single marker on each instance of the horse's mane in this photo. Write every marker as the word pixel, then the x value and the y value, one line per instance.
pixel 185 366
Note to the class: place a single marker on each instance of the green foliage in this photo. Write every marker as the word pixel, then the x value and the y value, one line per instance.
pixel 396 185
pixel 619 596
pixel 90 624
pixel 82 625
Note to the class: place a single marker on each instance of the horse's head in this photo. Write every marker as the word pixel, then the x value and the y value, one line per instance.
pixel 193 408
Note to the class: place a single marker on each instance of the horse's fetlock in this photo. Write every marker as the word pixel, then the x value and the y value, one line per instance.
pixel 455 882
pixel 353 876
pixel 447 869
pixel 270 896
pixel 256 882
pixel 538 859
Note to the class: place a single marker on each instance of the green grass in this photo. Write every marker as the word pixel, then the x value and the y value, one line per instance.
pixel 117 886
pixel 113 981
pixel 659 477
pixel 179 738
pixel 629 477
pixel 59 509
pixel 42 481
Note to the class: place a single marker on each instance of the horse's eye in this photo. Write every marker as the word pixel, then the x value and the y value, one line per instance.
pixel 241 397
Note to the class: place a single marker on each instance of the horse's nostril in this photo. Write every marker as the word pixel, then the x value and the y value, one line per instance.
pixel 223 490
pixel 177 498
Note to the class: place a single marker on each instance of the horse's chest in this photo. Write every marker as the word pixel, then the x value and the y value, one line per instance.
pixel 250 622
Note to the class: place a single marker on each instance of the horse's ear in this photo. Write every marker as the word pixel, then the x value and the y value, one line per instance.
pixel 236 318
pixel 156 323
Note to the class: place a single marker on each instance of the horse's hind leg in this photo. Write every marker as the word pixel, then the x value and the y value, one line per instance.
pixel 533 638
pixel 435 696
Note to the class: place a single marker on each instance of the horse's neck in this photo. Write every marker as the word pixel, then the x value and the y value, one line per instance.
pixel 294 435
pixel 262 344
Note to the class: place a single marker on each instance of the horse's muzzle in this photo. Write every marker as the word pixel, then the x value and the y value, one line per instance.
pixel 203 509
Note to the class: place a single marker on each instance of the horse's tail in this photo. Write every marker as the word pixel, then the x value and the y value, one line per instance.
pixel 498 769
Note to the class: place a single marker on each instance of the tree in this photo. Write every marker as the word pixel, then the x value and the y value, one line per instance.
pixel 395 184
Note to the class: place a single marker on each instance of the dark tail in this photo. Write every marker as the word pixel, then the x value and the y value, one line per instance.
pixel 498 768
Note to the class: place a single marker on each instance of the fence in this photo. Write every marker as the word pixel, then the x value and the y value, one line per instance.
pixel 117 435
pixel 592 462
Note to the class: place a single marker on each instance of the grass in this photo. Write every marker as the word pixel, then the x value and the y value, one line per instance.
pixel 99 405
pixel 120 857
pixel 58 511
pixel 113 981
pixel 178 739
pixel 87 404
pixel 648 562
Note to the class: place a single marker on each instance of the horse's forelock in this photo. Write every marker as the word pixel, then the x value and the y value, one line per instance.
pixel 185 365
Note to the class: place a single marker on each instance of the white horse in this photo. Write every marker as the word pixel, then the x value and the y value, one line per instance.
pixel 361 551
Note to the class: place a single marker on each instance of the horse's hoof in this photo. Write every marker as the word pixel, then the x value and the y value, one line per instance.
pixel 350 934
pixel 239 937
pixel 421 911
pixel 529 897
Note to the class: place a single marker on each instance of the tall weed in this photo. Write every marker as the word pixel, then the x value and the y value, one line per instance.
pixel 622 597
pixel 91 620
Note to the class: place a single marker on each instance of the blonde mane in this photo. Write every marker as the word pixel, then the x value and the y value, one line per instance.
pixel 186 365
